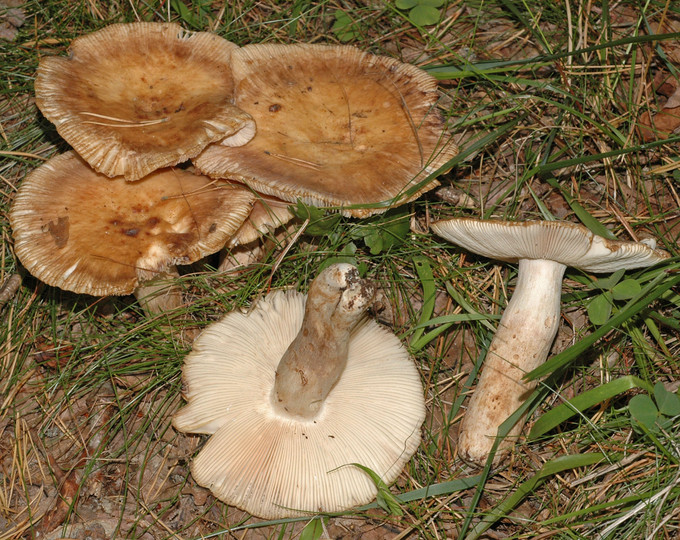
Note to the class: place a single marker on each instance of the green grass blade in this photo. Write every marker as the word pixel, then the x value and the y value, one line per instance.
pixel 555 466
pixel 424 271
pixel 650 293
pixel 445 322
pixel 584 401
pixel 581 213
pixel 482 68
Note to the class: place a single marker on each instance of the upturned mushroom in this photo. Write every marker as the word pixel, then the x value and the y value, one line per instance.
pixel 80 231
pixel 294 393
pixel 132 98
pixel 543 249
pixel 335 127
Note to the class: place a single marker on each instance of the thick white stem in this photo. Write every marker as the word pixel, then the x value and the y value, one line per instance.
pixel 522 342
pixel 315 360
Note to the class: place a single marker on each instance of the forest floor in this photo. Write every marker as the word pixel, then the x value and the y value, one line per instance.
pixel 561 110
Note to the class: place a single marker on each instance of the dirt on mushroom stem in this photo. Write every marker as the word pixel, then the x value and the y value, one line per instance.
pixel 522 342
pixel 338 299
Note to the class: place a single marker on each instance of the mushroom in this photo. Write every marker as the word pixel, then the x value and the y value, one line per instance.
pixel 530 321
pixel 80 231
pixel 132 98
pixel 336 127
pixel 297 391
pixel 245 247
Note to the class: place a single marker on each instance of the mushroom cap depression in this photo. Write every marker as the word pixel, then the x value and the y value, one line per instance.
pixel 560 241
pixel 275 465
pixel 84 232
pixel 132 98
pixel 335 126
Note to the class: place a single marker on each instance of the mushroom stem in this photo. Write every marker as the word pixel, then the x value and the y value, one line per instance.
pixel 521 343
pixel 315 360
pixel 159 294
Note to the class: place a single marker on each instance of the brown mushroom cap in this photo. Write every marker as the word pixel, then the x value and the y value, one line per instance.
pixel 274 464
pixel 567 243
pixel 336 126
pixel 132 98
pixel 81 231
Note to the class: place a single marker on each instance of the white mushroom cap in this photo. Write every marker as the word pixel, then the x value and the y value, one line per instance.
pixel 567 243
pixel 274 465
pixel 132 98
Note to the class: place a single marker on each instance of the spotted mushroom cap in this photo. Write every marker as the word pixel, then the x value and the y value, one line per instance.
pixel 132 98
pixel 336 126
pixel 81 231
pixel 560 241
pixel 276 466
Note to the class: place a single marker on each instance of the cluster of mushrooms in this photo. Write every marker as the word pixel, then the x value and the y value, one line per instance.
pixel 183 144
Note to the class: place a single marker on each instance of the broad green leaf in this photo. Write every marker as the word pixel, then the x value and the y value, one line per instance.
pixel 626 289
pixel 313 530
pixel 599 309
pixel 385 499
pixel 406 4
pixel 667 402
pixel 643 410
pixel 609 282
pixel 344 27
pixel 320 222
pixel 584 401
pixel 390 229
pixel 374 242
pixel 424 15
pixel 345 255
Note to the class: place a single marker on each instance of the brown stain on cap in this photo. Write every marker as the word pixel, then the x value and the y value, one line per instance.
pixel 59 231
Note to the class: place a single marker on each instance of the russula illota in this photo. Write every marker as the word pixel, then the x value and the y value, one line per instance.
pixel 80 231
pixel 543 249
pixel 335 126
pixel 296 391
pixel 132 98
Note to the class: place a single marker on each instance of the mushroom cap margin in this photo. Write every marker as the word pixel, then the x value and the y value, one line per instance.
pixel 560 241
pixel 134 97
